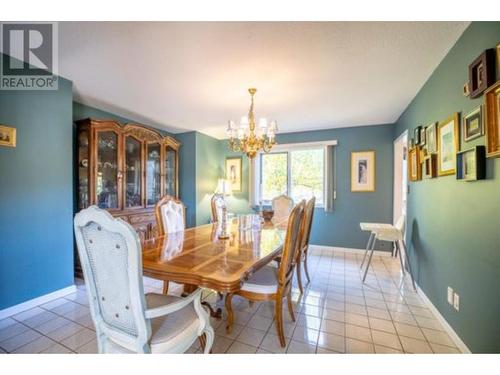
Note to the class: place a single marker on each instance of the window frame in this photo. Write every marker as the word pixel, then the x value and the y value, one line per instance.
pixel 288 149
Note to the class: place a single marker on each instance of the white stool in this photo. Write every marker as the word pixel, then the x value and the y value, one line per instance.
pixel 389 233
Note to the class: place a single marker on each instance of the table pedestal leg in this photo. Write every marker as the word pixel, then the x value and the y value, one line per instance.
pixel 214 312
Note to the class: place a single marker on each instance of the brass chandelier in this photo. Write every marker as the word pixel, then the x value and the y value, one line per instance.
pixel 249 138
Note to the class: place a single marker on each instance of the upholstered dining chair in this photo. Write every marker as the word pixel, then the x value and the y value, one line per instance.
pixel 282 206
pixel 304 246
pixel 127 320
pixel 170 215
pixel 274 284
pixel 217 203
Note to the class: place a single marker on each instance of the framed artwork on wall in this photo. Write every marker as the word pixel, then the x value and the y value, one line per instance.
pixel 472 124
pixel 363 171
pixel 471 164
pixel 416 135
pixel 431 138
pixel 7 136
pixel 422 137
pixel 482 73
pixel 233 173
pixel 429 166
pixel 492 116
pixel 448 145
pixel 414 166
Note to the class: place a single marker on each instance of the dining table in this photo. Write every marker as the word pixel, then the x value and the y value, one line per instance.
pixel 197 257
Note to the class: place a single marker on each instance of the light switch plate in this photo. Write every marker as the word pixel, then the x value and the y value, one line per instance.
pixel 456 301
pixel 450 296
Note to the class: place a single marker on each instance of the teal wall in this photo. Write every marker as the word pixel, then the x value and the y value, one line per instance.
pixel 341 227
pixel 187 175
pixel 454 226
pixel 36 194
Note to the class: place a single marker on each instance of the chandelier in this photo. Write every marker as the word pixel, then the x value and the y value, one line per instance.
pixel 249 138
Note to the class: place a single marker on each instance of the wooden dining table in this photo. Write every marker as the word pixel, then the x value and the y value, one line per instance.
pixel 197 257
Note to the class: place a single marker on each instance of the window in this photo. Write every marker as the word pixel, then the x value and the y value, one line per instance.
pixel 298 173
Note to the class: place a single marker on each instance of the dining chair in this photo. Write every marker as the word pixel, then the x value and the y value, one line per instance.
pixel 394 234
pixel 127 320
pixel 282 206
pixel 217 203
pixel 170 215
pixel 304 246
pixel 274 284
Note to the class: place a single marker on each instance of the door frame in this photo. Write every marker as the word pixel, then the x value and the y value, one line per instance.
pixel 400 178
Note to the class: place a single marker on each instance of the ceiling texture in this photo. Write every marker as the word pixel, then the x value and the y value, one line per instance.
pixel 184 76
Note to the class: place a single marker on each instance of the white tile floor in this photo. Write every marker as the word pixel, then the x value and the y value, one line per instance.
pixel 336 314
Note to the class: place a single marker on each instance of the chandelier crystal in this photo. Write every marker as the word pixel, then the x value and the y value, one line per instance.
pixel 249 138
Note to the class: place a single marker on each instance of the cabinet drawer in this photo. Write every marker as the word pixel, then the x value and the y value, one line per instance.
pixel 142 218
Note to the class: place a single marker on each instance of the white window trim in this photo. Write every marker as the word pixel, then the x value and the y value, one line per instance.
pixel 255 182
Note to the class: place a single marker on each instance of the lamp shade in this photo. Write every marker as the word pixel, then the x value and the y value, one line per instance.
pixel 224 187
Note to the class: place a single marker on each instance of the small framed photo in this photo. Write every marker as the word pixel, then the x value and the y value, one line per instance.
pixel 471 164
pixel 429 166
pixel 363 171
pixel 416 135
pixel 472 124
pixel 414 165
pixel 7 136
pixel 233 172
pixel 422 137
pixel 431 138
pixel 482 73
pixel 492 117
pixel 448 145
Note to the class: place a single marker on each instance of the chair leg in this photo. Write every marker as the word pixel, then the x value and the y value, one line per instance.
pixel 209 339
pixel 165 287
pixel 278 305
pixel 230 314
pixel 409 265
pixel 369 258
pixel 203 341
pixel 299 277
pixel 305 268
pixel 370 239
pixel 290 305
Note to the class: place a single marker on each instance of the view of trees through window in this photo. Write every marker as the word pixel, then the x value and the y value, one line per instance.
pixel 306 175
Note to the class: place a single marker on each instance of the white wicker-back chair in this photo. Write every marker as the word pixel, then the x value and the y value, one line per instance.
pixel 126 320
pixel 282 206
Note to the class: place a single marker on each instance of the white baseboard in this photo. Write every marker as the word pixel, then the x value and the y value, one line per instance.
pixel 13 310
pixel 449 330
pixel 350 250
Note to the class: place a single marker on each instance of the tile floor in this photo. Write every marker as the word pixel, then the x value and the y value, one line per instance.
pixel 336 314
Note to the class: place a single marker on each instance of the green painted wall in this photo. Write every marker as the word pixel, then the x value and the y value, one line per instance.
pixel 187 175
pixel 454 227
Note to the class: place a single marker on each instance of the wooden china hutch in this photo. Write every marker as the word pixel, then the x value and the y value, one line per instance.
pixel 126 170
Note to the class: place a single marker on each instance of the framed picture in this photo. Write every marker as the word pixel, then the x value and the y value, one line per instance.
pixel 471 164
pixel 482 73
pixel 448 145
pixel 416 135
pixel 431 138
pixel 429 166
pixel 233 173
pixel 7 136
pixel 492 117
pixel 414 166
pixel 363 171
pixel 472 124
pixel 498 58
pixel 422 136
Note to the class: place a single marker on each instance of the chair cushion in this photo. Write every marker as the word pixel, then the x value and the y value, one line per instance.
pixel 165 328
pixel 264 281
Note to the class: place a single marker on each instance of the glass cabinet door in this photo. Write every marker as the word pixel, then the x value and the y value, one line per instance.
pixel 133 172
pixel 83 169
pixel 107 169
pixel 153 181
pixel 170 171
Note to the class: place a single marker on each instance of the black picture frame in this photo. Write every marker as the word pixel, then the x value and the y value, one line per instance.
pixel 471 164
pixel 416 135
pixel 482 73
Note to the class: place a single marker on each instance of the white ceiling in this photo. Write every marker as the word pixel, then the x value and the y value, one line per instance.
pixel 183 76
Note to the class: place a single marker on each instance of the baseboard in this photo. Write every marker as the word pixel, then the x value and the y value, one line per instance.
pixel 351 250
pixel 449 330
pixel 13 310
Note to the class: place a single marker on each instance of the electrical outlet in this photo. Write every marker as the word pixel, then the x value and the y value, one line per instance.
pixel 456 301
pixel 450 295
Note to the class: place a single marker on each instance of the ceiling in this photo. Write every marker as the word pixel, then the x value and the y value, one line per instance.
pixel 183 76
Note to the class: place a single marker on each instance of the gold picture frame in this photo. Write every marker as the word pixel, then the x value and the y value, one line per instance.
pixel 414 165
pixel 7 136
pixel 363 171
pixel 492 125
pixel 234 173
pixel 448 142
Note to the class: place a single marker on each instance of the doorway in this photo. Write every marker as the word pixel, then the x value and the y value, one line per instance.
pixel 400 191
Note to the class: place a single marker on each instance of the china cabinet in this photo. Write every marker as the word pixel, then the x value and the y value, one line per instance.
pixel 126 170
